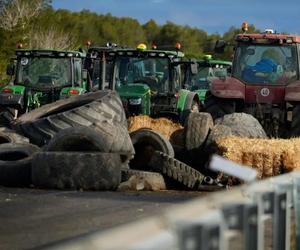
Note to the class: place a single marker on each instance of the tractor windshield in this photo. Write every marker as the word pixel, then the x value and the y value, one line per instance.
pixel 151 71
pixel 265 64
pixel 44 72
pixel 207 71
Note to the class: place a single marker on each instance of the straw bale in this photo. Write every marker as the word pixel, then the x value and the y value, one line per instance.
pixel 174 132
pixel 269 157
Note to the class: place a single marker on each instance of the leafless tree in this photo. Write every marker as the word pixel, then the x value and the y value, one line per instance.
pixel 51 39
pixel 17 13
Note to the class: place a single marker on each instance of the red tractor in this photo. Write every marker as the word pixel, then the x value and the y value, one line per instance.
pixel 264 82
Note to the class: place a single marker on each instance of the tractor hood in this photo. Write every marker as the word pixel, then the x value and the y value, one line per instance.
pixel 133 90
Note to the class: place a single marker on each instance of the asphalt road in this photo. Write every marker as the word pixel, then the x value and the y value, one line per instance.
pixel 31 218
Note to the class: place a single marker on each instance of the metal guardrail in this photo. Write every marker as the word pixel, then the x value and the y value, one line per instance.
pixel 256 216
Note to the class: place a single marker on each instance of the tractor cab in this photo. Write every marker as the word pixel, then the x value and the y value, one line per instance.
pixel 39 77
pixel 147 80
pixel 264 81
pixel 206 70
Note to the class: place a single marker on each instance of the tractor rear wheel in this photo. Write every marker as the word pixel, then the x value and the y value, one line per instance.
pixel 218 107
pixel 295 126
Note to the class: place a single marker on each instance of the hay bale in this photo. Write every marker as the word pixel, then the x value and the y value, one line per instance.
pixel 269 157
pixel 174 132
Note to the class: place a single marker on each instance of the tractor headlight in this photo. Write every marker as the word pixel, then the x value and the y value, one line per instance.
pixel 137 101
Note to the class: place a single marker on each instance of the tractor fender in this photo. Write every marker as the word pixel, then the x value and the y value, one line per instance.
pixel 228 87
pixel 292 92
pixel 186 98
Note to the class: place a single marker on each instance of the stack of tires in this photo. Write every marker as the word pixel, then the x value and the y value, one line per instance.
pixel 83 142
pixel 155 158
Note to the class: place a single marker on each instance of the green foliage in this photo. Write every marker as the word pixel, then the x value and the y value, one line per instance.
pixel 99 29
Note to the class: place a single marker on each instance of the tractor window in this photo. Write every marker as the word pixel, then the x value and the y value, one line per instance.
pixel 267 64
pixel 151 71
pixel 95 71
pixel 44 71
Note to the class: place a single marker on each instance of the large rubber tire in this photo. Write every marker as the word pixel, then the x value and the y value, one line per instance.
pixel 7 116
pixel 295 125
pixel 146 142
pixel 197 128
pixel 10 136
pixel 218 107
pixel 91 109
pixel 243 125
pixel 176 170
pixel 86 139
pixel 76 170
pixel 15 164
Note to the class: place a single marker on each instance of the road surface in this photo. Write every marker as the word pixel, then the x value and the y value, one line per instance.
pixel 31 218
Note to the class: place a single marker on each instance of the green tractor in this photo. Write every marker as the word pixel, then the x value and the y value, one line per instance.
pixel 39 77
pixel 147 80
pixel 198 80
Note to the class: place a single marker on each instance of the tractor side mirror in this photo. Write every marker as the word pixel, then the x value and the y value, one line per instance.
pixel 10 70
pixel 220 46
pixel 194 67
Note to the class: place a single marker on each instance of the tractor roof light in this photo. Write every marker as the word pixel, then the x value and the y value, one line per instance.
pixel 88 44
pixel 141 46
pixel 245 26
pixel 178 46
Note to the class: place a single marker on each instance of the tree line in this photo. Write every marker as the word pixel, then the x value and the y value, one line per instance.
pixel 35 24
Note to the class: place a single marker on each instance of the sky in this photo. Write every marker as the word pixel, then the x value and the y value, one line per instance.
pixel 212 16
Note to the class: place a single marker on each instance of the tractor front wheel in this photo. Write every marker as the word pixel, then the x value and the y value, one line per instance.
pixel 218 107
pixel 295 126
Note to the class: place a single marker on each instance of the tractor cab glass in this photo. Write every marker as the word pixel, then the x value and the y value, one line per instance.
pixel 152 71
pixel 266 64
pixel 45 72
pixel 207 71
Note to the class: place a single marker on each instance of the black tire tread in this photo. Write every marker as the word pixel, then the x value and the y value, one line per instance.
pixel 40 129
pixel 77 170
pixel 197 128
pixel 176 170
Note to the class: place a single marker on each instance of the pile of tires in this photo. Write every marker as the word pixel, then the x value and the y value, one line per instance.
pixel 77 143
pixel 16 154
pixel 155 159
